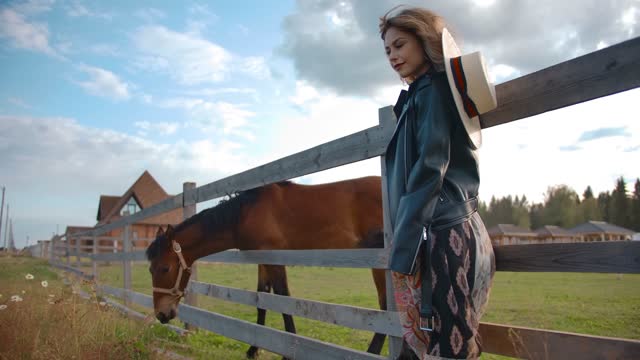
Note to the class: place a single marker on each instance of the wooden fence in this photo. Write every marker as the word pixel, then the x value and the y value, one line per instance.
pixel 604 72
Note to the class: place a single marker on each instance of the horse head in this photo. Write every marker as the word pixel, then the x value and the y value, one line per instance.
pixel 169 273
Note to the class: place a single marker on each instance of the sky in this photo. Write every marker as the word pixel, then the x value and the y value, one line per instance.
pixel 92 94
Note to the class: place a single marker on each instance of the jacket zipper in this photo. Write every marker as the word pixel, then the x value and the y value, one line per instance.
pixel 423 237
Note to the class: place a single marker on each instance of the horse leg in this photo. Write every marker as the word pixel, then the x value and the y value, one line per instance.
pixel 377 342
pixel 375 239
pixel 264 285
pixel 278 275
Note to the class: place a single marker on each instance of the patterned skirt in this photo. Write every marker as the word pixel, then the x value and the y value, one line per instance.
pixel 462 268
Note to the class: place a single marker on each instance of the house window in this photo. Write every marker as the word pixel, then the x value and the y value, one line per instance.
pixel 131 206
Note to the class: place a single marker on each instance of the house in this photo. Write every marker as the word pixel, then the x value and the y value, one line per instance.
pixel 143 193
pixel 601 231
pixel 509 234
pixel 549 234
pixel 84 242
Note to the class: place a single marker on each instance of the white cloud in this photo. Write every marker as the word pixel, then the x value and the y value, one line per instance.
pixel 150 15
pixel 324 116
pixel 18 102
pixel 49 159
pixel 527 156
pixel 33 7
pixel 255 66
pixel 104 83
pixel 523 157
pixel 24 34
pixel 190 59
pixel 336 45
pixel 77 9
pixel 161 127
pixel 304 93
pixel 219 117
pixel 104 49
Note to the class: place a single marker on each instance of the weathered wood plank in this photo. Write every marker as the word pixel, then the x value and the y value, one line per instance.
pixel 600 73
pixel 611 257
pixel 280 342
pixel 126 264
pixel 94 264
pixel 286 344
pixel 68 268
pixel 131 256
pixel 528 343
pixel 498 339
pixel 358 146
pixel 350 316
pixel 360 258
pixel 387 120
pixel 139 316
pixel 597 257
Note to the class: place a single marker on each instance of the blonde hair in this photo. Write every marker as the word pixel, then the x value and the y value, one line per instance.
pixel 424 24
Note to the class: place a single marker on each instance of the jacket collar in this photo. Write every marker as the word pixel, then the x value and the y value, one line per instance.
pixel 403 99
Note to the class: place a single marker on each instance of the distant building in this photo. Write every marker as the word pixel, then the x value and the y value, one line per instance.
pixel 509 234
pixel 145 192
pixel 550 234
pixel 601 231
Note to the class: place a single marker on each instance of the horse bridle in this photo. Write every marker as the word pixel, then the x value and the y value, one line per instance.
pixel 175 290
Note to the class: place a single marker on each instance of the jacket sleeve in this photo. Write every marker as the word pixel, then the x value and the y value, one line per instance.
pixel 434 118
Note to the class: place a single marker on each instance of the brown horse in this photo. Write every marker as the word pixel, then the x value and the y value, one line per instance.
pixel 341 215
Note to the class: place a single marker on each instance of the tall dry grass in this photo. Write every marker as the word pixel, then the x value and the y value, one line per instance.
pixel 53 322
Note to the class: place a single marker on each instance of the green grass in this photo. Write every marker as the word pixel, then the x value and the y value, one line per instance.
pixel 597 304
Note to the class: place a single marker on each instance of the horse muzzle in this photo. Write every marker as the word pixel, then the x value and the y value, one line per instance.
pixel 164 318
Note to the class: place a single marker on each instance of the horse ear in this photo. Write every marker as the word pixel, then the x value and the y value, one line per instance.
pixel 169 231
pixel 160 232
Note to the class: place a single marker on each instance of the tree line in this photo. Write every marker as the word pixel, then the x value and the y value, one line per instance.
pixel 563 207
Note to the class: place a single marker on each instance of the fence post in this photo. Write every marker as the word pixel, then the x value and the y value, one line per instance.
pixel 68 238
pixel 188 210
pixel 94 263
pixel 78 261
pixel 52 247
pixel 126 249
pixel 387 121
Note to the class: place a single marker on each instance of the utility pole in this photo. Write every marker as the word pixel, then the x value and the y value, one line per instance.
pixel 1 210
pixel 5 228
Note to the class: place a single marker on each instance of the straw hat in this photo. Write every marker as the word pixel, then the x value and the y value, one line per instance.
pixel 473 92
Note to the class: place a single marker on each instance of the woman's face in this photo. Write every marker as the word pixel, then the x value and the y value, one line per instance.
pixel 405 53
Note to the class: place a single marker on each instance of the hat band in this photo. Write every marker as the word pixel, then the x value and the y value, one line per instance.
pixel 461 84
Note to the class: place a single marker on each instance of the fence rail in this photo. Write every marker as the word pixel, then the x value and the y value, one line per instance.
pixel 604 72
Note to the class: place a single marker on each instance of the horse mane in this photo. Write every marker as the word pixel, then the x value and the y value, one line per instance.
pixel 222 216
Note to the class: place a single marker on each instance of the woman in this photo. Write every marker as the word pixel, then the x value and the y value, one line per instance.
pixel 441 253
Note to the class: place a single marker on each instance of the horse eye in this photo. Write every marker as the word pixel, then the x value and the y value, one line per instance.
pixel 164 269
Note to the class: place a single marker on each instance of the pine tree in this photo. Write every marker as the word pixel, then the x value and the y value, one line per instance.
pixel 604 205
pixel 635 206
pixel 588 207
pixel 619 207
pixel 588 193
pixel 536 216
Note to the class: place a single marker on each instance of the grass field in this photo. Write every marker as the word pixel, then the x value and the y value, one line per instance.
pixel 598 304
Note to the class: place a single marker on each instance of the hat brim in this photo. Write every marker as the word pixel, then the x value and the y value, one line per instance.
pixel 472 125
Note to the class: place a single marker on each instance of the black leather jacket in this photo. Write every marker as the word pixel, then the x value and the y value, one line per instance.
pixel 432 171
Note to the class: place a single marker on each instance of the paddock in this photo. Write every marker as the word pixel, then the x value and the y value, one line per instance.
pixel 598 74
